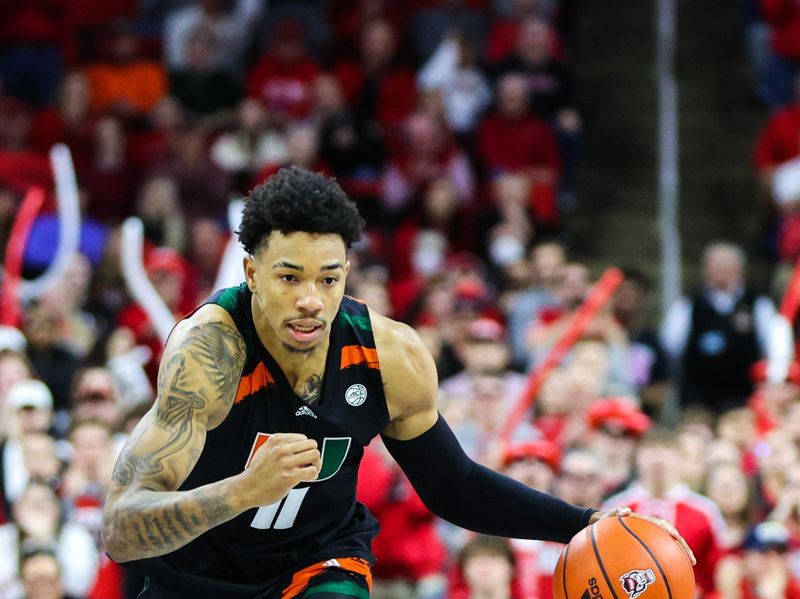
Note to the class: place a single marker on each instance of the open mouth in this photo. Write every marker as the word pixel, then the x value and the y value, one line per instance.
pixel 305 331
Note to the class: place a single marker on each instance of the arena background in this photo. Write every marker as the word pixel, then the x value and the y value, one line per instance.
pixel 589 211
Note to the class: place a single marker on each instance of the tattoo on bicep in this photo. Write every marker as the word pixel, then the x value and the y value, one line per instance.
pixel 313 389
pixel 176 409
pixel 219 350
pixel 124 469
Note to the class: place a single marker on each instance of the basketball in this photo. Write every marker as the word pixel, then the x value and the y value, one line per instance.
pixel 623 558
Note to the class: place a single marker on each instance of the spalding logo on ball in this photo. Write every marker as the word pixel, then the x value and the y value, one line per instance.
pixel 623 558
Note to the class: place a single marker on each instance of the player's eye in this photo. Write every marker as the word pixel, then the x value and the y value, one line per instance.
pixel 288 278
pixel 330 280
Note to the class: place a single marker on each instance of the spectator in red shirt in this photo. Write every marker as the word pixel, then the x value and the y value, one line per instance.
pixel 207 243
pixel 158 138
pixel 783 17
pixel 658 491
pixel 550 89
pixel 302 149
pixel 89 19
pixel 535 464
pixel 777 454
pixel 377 86
pixel 728 486
pixel 16 119
pixel 549 80
pixel 30 58
pixel 763 572
pixel 86 478
pixel 779 140
pixel 203 186
pixel 168 272
pixel 616 426
pixel 258 141
pixel 354 148
pixel 408 551
pixel 158 207
pixel 507 228
pixel 437 209
pixel 284 78
pixel 504 34
pixel 429 152
pixel 68 121
pixel 486 569
pixel 512 139
pixel 348 17
pixel 109 178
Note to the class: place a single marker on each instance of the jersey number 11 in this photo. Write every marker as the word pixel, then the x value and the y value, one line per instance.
pixel 282 514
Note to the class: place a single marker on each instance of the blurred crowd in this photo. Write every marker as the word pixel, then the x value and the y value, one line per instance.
pixel 456 127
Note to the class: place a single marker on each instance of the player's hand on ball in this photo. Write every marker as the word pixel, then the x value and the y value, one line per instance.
pixel 673 532
pixel 283 461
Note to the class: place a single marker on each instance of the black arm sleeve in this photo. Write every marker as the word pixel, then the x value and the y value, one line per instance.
pixel 471 496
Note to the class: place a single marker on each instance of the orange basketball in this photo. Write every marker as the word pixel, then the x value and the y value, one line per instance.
pixel 623 558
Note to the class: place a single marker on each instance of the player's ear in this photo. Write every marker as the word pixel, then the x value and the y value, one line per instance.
pixel 346 267
pixel 250 272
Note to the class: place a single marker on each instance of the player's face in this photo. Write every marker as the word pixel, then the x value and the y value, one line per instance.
pixel 298 280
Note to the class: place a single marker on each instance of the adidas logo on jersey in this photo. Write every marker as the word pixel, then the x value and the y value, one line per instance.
pixel 305 411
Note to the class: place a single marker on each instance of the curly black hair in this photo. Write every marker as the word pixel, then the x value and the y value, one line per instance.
pixel 296 199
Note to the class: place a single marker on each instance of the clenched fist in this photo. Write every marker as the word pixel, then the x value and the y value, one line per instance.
pixel 283 461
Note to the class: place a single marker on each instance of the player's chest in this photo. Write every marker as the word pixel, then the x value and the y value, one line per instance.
pixel 346 407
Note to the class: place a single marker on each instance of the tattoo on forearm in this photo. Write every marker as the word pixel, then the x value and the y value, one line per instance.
pixel 170 524
pixel 138 530
pixel 157 529
pixel 215 508
pixel 313 390
pixel 181 520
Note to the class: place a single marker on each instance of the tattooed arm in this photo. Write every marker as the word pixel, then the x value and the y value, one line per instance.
pixel 144 515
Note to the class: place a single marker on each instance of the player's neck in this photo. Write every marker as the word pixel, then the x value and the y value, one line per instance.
pixel 298 366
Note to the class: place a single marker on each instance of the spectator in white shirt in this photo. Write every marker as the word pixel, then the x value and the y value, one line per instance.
pixel 716 334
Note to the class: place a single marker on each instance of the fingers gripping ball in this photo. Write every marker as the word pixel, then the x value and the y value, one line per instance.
pixel 623 558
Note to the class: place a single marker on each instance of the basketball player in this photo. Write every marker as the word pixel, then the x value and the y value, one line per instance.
pixel 240 481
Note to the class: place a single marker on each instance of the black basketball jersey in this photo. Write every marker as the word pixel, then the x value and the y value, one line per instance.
pixel 315 521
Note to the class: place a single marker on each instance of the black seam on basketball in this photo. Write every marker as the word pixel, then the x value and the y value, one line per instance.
pixel 650 553
pixel 564 572
pixel 600 562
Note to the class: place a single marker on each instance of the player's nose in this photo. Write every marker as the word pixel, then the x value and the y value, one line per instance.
pixel 310 301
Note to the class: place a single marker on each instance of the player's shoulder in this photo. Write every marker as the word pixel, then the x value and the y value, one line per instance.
pixel 403 357
pixel 209 319
pixel 397 343
pixel 204 357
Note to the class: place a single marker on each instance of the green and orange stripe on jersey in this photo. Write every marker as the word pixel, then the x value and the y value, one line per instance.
pixel 259 378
